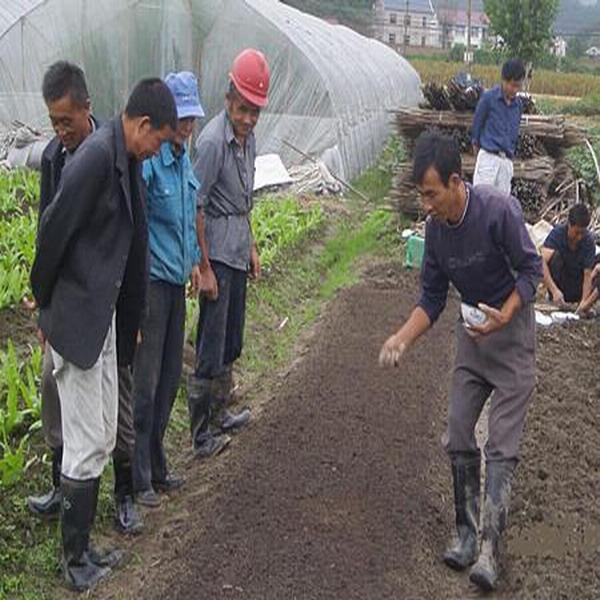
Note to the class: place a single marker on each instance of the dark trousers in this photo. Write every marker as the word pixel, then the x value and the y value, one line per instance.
pixel 156 374
pixel 221 324
pixel 569 281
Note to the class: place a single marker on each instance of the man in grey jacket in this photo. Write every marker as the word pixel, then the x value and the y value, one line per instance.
pixel 92 256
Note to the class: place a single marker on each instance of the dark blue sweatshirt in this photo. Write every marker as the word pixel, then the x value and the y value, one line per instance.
pixel 486 256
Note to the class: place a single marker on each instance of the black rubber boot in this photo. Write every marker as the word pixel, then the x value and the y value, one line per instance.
pixel 102 557
pixel 466 473
pixel 221 417
pixel 205 442
pixel 48 505
pixel 127 518
pixel 495 515
pixel 77 516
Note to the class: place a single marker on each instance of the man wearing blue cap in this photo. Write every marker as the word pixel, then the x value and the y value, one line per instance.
pixel 172 189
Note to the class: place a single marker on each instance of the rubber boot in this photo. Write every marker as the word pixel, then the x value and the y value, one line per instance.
pixel 48 505
pixel 103 557
pixel 222 418
pixel 127 518
pixel 466 473
pixel 77 516
pixel 205 442
pixel 495 515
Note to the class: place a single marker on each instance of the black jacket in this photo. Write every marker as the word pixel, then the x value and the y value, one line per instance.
pixel 92 250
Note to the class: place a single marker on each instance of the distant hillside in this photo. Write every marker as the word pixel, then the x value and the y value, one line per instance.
pixel 576 17
pixel 356 14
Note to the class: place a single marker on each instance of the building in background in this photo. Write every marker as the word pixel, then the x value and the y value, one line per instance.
pixel 593 53
pixel 404 24
pixel 407 25
pixel 454 25
pixel 559 47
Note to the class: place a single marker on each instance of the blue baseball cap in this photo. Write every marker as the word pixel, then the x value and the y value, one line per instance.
pixel 184 87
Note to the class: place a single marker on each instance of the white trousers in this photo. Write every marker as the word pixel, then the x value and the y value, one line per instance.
pixel 89 401
pixel 493 170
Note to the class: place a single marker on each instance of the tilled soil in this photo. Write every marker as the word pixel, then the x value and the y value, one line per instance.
pixel 340 488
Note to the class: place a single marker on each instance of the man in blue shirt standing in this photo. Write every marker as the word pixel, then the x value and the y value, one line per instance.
pixel 496 129
pixel 569 255
pixel 174 257
pixel 477 240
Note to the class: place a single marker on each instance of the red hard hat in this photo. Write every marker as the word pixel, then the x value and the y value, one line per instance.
pixel 250 76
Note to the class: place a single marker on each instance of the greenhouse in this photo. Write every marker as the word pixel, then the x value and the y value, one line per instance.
pixel 331 87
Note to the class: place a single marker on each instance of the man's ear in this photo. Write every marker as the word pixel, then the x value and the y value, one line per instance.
pixel 455 180
pixel 144 123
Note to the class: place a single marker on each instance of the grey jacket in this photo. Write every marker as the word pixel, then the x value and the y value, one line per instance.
pixel 92 251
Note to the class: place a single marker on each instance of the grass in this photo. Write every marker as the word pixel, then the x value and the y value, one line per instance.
pixel 543 82
pixel 304 274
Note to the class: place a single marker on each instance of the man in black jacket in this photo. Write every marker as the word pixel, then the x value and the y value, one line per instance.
pixel 91 259
pixel 65 93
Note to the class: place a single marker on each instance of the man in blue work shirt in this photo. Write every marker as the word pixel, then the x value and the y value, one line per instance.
pixel 496 129
pixel 477 240
pixel 172 189
pixel 569 255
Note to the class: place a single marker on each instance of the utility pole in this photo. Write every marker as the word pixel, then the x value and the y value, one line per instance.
pixel 405 30
pixel 468 58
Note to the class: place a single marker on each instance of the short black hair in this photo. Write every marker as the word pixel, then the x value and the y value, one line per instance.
pixel 153 99
pixel 64 78
pixel 439 151
pixel 513 70
pixel 579 215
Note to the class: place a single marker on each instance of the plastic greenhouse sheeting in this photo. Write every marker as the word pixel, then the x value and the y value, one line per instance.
pixel 331 88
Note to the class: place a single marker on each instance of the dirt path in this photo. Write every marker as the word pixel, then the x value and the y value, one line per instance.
pixel 340 489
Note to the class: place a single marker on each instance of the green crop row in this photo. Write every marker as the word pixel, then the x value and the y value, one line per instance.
pixel 18 223
pixel 279 223
pixel 19 410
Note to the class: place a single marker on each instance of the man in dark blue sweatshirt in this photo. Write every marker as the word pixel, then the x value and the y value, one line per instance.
pixel 476 239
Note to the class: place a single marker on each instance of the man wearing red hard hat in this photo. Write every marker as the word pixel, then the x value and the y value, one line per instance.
pixel 225 154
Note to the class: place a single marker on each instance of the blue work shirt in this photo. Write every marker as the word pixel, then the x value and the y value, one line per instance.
pixel 496 123
pixel 578 260
pixel 171 202
pixel 486 256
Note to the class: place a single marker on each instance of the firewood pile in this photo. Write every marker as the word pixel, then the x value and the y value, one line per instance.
pixel 543 181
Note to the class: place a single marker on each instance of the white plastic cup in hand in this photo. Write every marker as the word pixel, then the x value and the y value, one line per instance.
pixel 472 316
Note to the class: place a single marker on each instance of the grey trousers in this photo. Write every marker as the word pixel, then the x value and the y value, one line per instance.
pixel 51 417
pixel 493 170
pixel 89 410
pixel 502 365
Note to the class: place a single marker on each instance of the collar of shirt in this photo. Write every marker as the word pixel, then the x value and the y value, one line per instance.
pixel 168 157
pixel 230 134
pixel 93 124
pixel 502 98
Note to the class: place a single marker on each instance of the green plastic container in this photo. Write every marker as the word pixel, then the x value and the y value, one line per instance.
pixel 415 248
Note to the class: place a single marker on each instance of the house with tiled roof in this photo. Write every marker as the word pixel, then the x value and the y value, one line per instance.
pixel 454 27
pixel 407 23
